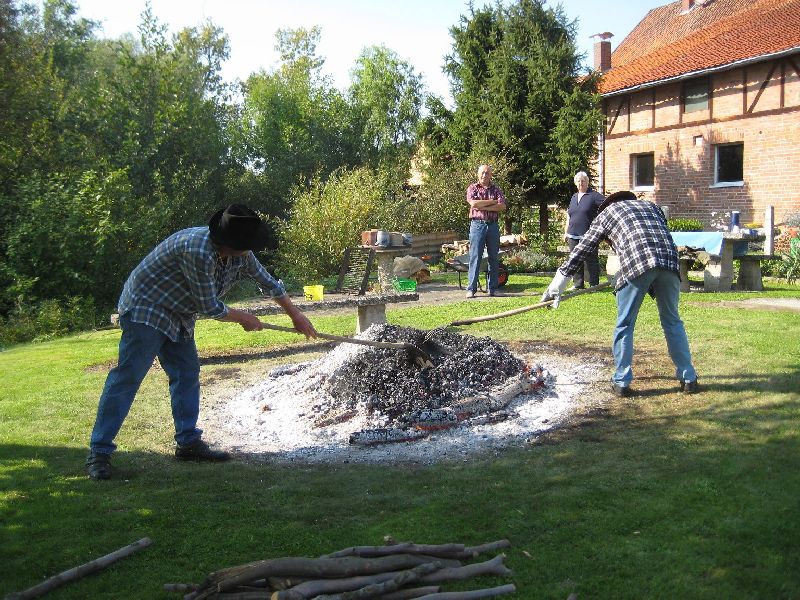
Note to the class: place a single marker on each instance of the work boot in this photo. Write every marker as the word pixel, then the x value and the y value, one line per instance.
pixel 98 465
pixel 199 450
pixel 690 387
pixel 621 391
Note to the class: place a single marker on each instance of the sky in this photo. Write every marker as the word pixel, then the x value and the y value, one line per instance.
pixel 417 30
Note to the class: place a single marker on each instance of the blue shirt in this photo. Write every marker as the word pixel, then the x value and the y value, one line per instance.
pixel 638 232
pixel 582 212
pixel 184 277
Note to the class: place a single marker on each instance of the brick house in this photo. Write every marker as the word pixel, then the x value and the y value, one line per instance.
pixel 702 107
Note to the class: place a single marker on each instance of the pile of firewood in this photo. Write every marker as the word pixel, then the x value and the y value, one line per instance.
pixel 390 572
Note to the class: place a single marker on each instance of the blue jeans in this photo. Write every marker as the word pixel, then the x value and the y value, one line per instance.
pixel 592 266
pixel 483 234
pixel 138 346
pixel 666 286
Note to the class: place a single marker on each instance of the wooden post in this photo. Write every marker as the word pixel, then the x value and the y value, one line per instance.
pixel 769 230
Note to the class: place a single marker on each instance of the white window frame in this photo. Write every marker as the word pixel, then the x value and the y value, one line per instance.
pixel 635 166
pixel 724 184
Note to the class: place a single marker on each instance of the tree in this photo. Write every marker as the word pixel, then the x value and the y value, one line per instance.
pixel 517 89
pixel 386 95
pixel 108 147
pixel 294 125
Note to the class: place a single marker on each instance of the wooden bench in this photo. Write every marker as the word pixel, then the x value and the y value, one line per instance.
pixel 371 308
pixel 750 271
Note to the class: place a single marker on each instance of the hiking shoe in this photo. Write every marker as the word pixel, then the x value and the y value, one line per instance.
pixel 470 295
pixel 621 391
pixel 690 387
pixel 98 465
pixel 199 450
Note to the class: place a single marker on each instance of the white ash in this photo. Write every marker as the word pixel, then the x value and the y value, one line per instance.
pixel 280 417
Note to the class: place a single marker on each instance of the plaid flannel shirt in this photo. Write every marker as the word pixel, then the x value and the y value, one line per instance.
pixel 476 191
pixel 637 230
pixel 184 277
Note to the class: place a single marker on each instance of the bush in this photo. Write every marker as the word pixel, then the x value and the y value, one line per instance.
pixel 47 319
pixel 329 217
pixel 684 225
pixel 530 261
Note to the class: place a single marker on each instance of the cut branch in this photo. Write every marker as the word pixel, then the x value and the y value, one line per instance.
pixel 401 548
pixel 494 566
pixel 472 594
pixel 316 568
pixel 377 590
pixel 474 551
pixel 77 572
pixel 406 594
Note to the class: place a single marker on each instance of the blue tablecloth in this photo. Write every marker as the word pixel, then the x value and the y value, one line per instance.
pixel 710 241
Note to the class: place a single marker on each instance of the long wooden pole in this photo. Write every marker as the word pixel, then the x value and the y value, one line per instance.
pixel 516 311
pixel 78 572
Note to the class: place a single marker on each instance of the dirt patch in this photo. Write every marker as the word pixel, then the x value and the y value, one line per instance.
pixel 263 417
pixel 780 304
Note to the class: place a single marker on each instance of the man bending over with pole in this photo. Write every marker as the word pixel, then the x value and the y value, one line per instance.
pixel 183 277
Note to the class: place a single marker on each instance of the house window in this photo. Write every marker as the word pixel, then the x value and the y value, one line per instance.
pixel 644 170
pixel 695 95
pixel 729 164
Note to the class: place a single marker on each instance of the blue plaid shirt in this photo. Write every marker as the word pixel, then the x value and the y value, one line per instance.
pixel 184 277
pixel 637 230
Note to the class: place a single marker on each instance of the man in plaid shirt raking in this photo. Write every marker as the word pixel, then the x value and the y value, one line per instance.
pixel 183 277
pixel 638 232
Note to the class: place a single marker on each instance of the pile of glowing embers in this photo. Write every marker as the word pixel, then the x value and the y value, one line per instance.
pixel 472 381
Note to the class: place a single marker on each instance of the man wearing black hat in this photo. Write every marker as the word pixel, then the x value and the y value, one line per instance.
pixel 648 259
pixel 183 277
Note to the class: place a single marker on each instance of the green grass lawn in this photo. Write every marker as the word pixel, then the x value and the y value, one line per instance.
pixel 657 496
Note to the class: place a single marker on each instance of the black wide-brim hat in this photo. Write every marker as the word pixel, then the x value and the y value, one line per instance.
pixel 616 197
pixel 238 227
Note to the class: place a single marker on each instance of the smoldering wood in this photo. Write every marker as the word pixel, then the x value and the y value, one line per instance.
pixel 78 572
pixel 386 435
pixel 501 590
pixel 494 566
pixel 399 548
pixel 376 590
pixel 489 419
pixel 316 568
pixel 497 399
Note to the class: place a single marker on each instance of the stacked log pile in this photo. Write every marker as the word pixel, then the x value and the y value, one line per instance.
pixel 393 571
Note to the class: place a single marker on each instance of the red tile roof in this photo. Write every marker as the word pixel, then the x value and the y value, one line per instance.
pixel 668 42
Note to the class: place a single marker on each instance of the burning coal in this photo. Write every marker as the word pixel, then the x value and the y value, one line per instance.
pixel 352 402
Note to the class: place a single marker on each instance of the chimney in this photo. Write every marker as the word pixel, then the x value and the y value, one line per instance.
pixel 686 5
pixel 602 51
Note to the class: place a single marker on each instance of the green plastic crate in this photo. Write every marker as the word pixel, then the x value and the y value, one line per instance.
pixel 404 285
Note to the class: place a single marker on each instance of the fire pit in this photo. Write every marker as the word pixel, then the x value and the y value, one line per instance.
pixel 359 403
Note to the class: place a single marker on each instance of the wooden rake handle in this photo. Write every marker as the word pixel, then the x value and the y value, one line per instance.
pixel 516 311
pixel 348 340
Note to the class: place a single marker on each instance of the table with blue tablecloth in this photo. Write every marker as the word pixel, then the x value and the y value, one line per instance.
pixel 721 247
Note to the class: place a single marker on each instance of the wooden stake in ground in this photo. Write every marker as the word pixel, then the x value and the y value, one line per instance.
pixel 76 573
